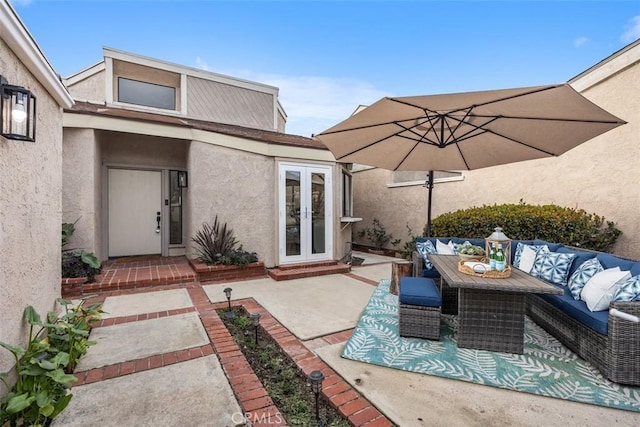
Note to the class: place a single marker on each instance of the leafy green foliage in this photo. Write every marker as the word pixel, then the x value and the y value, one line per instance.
pixel 80 264
pixel 216 244
pixel 43 382
pixel 76 262
pixel 573 227
pixel 377 235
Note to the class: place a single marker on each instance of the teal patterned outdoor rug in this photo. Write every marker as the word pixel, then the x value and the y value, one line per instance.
pixel 546 368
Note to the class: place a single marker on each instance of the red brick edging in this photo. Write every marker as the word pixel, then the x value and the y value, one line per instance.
pixel 249 391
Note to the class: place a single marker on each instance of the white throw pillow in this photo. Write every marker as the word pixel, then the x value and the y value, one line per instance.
pixel 528 257
pixel 600 289
pixel 445 249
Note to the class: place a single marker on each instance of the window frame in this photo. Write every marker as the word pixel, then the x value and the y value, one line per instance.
pixel 150 84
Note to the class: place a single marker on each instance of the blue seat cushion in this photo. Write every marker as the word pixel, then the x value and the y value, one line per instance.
pixel 419 291
pixel 596 320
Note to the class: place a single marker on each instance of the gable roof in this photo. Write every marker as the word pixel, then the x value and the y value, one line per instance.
pixel 260 135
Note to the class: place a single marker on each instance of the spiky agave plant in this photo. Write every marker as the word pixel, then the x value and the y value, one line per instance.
pixel 213 242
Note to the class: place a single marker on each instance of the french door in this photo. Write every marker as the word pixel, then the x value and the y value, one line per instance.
pixel 305 218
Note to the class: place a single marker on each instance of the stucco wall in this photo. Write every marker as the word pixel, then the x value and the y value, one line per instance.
pixel 599 176
pixel 90 89
pixel 80 194
pixel 30 213
pixel 217 178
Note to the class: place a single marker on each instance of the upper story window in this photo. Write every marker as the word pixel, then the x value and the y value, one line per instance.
pixel 147 94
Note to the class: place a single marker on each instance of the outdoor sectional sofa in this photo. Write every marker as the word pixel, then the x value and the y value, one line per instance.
pixel 609 342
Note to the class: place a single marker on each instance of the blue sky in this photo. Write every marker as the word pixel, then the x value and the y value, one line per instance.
pixel 328 57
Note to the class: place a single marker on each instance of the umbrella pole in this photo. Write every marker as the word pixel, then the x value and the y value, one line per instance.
pixel 429 184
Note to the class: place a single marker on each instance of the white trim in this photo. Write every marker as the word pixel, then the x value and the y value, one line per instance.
pixel 84 74
pixel 615 63
pixel 17 37
pixel 422 183
pixel 183 94
pixel 190 71
pixel 85 121
pixel 108 81
pixel 144 108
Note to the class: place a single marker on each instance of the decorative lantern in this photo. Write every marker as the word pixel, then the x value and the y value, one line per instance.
pixel 498 238
pixel 315 379
pixel 17 112
pixel 255 319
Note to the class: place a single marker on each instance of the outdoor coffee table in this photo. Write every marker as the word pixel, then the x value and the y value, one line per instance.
pixel 490 311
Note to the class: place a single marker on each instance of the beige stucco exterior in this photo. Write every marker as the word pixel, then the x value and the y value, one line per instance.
pixel 239 188
pixel 599 176
pixel 30 188
pixel 232 172
pixel 81 191
pixel 90 86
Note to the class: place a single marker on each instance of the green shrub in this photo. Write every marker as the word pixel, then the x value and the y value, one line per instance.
pixel 76 262
pixel 42 388
pixel 573 227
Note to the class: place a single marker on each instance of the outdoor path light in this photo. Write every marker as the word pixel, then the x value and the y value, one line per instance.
pixel 255 318
pixel 315 380
pixel 17 112
pixel 229 314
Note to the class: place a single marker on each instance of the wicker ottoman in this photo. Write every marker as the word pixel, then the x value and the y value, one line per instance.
pixel 419 308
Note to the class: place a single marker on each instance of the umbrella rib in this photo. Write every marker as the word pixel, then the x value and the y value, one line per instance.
pixel 550 119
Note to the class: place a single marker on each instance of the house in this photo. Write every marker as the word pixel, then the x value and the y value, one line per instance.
pixel 599 176
pixel 30 184
pixel 152 150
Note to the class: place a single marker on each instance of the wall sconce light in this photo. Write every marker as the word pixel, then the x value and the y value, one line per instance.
pixel 229 314
pixel 255 318
pixel 17 112
pixel 183 179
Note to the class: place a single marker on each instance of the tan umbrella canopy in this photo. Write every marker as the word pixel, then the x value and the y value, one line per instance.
pixel 464 131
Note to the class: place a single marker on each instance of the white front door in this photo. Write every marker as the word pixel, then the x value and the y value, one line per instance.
pixel 135 206
pixel 306 225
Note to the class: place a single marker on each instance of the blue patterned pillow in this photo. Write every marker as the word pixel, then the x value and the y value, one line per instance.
pixel 552 266
pixel 425 248
pixel 629 290
pixel 518 253
pixel 581 276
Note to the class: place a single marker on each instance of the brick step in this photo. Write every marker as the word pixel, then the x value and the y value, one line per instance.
pixel 301 272
pixel 308 265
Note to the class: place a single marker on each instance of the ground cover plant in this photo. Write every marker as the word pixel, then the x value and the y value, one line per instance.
pixel 77 262
pixel 43 369
pixel 284 382
pixel 572 227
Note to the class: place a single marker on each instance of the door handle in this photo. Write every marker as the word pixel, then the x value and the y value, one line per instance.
pixel 158 220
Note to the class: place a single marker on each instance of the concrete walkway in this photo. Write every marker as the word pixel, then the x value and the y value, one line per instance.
pixel 164 359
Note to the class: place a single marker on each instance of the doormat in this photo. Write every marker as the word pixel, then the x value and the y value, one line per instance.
pixel 140 258
pixel 546 368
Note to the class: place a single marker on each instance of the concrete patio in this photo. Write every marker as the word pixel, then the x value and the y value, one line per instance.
pixel 162 359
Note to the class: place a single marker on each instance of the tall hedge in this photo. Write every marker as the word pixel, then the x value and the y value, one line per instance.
pixel 574 227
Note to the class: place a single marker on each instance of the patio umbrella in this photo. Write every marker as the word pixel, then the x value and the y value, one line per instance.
pixel 465 131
